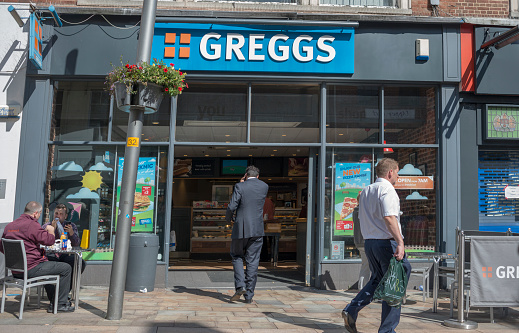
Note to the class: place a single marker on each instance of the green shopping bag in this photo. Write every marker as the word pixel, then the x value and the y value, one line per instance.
pixel 393 285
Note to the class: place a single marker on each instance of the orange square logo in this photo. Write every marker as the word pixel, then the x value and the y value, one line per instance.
pixel 183 52
pixel 185 38
pixel 169 52
pixel 170 38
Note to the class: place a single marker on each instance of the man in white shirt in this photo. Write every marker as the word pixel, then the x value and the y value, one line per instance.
pixel 379 216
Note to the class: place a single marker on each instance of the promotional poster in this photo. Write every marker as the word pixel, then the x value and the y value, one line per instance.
pixel 143 206
pixel 350 179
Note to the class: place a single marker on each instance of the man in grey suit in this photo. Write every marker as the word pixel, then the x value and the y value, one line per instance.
pixel 247 232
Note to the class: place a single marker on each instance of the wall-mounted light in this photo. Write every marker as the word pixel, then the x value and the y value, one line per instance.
pixel 422 49
pixel 507 37
pixel 15 15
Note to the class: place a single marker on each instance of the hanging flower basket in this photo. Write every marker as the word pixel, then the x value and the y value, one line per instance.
pixel 143 86
pixel 148 97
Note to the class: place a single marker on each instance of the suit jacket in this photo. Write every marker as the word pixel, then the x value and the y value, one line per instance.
pixel 247 200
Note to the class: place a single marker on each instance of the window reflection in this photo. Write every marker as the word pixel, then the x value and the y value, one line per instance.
pixel 81 112
pixel 285 113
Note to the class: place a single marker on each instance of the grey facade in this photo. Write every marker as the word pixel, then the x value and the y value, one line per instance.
pixel 384 54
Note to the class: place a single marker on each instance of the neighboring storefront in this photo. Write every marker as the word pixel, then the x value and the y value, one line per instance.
pixel 314 105
pixel 489 114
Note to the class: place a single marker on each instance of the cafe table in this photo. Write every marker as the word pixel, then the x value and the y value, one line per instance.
pixel 76 272
pixel 437 257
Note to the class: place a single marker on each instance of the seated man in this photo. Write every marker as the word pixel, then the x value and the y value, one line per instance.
pixel 27 228
pixel 61 213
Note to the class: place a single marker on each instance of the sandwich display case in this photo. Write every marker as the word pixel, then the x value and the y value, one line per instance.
pixel 210 233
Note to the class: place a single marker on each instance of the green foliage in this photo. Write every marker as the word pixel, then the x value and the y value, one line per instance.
pixel 171 79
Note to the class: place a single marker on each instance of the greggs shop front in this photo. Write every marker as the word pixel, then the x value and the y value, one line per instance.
pixel 313 104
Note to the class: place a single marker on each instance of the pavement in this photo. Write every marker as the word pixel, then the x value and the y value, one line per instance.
pixel 289 309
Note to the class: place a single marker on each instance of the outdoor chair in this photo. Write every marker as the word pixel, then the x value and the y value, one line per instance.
pixel 16 260
pixel 423 272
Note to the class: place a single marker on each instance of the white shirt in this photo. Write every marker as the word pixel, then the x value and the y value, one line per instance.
pixel 376 201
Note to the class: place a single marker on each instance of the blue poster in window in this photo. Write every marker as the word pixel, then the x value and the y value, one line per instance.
pixel 350 179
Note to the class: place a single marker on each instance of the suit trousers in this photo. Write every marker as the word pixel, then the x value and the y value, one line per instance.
pixel 248 250
pixel 379 253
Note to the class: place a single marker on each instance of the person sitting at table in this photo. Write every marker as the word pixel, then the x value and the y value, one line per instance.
pixel 61 213
pixel 27 228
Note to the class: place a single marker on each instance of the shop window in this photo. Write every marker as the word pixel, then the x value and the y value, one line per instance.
pixel 155 126
pixel 416 188
pixel 212 112
pixel 352 114
pixel 87 180
pixel 285 113
pixel 81 112
pixel 410 115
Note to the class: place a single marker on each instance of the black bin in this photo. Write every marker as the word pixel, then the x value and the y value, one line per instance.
pixel 142 262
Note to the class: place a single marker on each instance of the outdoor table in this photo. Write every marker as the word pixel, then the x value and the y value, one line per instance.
pixel 76 272
pixel 436 257
pixel 274 246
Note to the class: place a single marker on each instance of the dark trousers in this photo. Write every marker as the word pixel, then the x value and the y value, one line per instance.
pixel 247 249
pixel 68 259
pixel 379 252
pixel 54 268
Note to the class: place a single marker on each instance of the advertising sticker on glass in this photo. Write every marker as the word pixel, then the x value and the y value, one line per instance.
pixel 143 206
pixel 350 179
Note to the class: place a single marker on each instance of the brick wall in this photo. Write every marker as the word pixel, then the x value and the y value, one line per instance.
pixel 447 8
pixel 467 8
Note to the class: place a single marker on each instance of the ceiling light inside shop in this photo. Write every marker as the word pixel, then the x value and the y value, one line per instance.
pixel 155 123
pixel 340 134
pixel 283 135
pixel 185 155
pixel 227 135
pixel 228 150
pixel 294 154
pixel 228 155
pixel 206 155
pixel 272 155
pixel 275 150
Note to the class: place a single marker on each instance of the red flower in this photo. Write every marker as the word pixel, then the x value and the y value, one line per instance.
pixel 127 65
pixel 165 70
pixel 160 66
pixel 180 72
pixel 140 67
pixel 167 89
pixel 133 66
pixel 172 65
pixel 179 88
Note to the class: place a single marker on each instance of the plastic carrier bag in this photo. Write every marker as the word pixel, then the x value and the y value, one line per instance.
pixel 393 285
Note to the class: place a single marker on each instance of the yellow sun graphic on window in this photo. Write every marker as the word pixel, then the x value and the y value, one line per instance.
pixel 92 180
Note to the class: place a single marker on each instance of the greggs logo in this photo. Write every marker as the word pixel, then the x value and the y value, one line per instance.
pixel 183 51
pixel 255 48
pixel 501 272
pixel 277 48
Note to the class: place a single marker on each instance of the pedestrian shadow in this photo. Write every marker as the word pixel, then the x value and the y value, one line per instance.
pixel 304 322
pixel 199 292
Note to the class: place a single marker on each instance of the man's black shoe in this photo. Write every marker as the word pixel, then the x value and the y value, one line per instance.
pixel 61 308
pixel 248 300
pixel 240 291
pixel 349 322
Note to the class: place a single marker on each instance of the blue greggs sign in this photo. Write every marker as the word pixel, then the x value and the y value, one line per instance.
pixel 255 48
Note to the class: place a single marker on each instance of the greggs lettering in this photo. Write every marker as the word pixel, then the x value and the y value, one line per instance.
pixel 278 49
